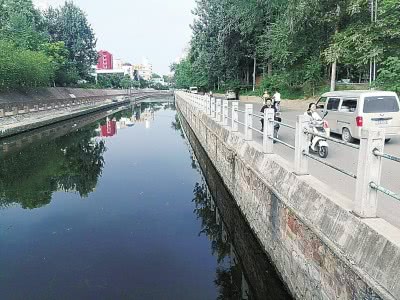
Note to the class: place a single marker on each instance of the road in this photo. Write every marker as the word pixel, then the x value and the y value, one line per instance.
pixel 341 156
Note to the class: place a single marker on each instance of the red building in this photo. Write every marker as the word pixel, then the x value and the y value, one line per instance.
pixel 105 60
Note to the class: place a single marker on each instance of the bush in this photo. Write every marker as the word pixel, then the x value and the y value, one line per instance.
pixel 23 68
pixel 389 74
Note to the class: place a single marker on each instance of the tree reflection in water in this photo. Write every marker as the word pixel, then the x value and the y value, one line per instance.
pixel 73 162
pixel 228 274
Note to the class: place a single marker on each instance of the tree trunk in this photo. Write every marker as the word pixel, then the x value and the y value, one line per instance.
pixel 333 76
pixel 254 73
pixel 269 68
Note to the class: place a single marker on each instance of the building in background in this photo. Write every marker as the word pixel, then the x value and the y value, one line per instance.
pixel 144 70
pixel 105 61
pixel 118 63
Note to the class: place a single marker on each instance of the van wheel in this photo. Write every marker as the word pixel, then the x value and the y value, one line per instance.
pixel 387 140
pixel 346 136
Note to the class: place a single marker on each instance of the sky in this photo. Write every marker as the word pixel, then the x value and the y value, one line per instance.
pixel 136 29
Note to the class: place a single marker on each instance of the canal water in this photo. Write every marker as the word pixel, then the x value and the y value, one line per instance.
pixel 116 205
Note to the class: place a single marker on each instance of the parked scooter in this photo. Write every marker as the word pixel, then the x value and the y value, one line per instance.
pixel 317 143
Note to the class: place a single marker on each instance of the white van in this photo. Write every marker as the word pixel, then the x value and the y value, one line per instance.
pixel 350 111
pixel 193 90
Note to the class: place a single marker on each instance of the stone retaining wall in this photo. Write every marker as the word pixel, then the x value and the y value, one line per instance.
pixel 320 248
pixel 27 126
pixel 57 93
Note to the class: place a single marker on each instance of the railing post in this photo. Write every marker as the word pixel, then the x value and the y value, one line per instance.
pixel 213 107
pixel 235 116
pixel 268 131
pixel 248 121
pixel 369 170
pixel 301 145
pixel 209 105
pixel 225 112
pixel 219 106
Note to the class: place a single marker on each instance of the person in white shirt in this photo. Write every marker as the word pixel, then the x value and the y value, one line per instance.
pixel 277 96
pixel 312 112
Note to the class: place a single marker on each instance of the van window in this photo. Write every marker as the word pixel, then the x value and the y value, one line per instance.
pixel 380 104
pixel 349 105
pixel 333 103
pixel 321 103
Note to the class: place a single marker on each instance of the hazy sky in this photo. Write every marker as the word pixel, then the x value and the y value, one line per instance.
pixel 135 29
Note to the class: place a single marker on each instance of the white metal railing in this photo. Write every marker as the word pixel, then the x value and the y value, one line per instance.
pixel 370 151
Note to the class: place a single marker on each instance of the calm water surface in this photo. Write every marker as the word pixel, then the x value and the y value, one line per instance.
pixel 115 206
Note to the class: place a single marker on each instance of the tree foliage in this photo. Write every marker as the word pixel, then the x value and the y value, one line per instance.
pixel 292 42
pixel 56 47
pixel 23 68
pixel 70 25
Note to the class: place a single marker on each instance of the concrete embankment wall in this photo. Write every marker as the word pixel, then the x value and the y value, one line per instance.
pixel 53 131
pixel 320 248
pixel 44 95
pixel 27 126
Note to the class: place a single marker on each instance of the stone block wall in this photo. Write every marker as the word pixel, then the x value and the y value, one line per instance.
pixel 321 249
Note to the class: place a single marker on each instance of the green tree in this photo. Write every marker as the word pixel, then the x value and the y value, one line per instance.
pixel 126 82
pixel 58 56
pixel 23 68
pixel 70 25
pixel 292 43
pixel 389 74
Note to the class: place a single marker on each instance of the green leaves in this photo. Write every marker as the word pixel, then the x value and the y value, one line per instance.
pixel 23 68
pixel 389 74
pixel 70 25
pixel 38 49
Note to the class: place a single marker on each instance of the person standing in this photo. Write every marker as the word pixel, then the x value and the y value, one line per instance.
pixel 277 103
pixel 268 104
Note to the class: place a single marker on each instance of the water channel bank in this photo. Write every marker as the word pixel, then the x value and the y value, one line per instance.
pixel 321 250
pixel 53 110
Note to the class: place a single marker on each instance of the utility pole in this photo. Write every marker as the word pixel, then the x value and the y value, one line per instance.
pixel 333 76
pixel 334 64
pixel 372 62
pixel 254 72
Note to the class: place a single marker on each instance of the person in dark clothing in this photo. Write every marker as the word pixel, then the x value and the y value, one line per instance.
pixel 268 104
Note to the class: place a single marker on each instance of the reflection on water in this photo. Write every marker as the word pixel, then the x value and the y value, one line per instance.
pixel 71 161
pixel 244 271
